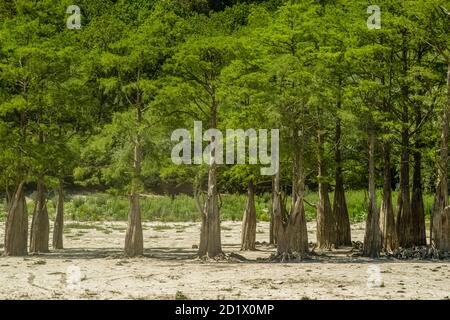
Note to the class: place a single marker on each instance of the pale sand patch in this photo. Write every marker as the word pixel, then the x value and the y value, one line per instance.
pixel 168 267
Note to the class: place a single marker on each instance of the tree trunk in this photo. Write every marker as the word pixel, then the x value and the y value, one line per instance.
pixel 290 230
pixel 297 228
pixel 278 216
pixel 272 235
pixel 297 219
pixel 387 220
pixel 249 221
pixel 340 211
pixel 372 237
pixel 326 224
pixel 441 215
pixel 40 223
pixel 210 242
pixel 210 239
pixel 444 242
pixel 404 215
pixel 134 243
pixel 58 227
pixel 417 205
pixel 16 227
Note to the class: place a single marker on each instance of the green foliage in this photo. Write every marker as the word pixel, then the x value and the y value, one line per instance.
pixel 74 104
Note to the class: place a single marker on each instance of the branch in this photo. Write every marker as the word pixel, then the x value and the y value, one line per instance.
pixel 199 206
pixel 424 119
pixel 310 204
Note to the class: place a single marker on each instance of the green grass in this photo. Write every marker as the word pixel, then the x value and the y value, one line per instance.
pixel 162 227
pixel 182 208
pixel 105 207
pixel 83 226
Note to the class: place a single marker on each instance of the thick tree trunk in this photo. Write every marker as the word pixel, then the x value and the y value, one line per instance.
pixel 134 243
pixel 297 230
pixel 387 220
pixel 40 223
pixel 210 239
pixel 210 242
pixel 249 221
pixel 290 230
pixel 441 214
pixel 292 233
pixel 58 227
pixel 444 241
pixel 278 216
pixel 326 223
pixel 417 205
pixel 404 215
pixel 16 227
pixel 340 211
pixel 372 237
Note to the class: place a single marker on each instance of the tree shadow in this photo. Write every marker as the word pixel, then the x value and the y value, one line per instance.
pixel 232 251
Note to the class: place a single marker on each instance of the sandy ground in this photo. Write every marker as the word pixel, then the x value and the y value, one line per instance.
pixel 92 267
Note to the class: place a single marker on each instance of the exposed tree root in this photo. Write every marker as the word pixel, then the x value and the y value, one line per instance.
pixel 223 257
pixel 414 253
pixel 289 257
pixel 418 253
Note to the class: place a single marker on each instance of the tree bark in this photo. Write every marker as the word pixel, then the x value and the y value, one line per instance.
pixel 404 215
pixel 210 239
pixel 58 227
pixel 417 205
pixel 372 237
pixel 40 223
pixel 340 211
pixel 16 227
pixel 272 235
pixel 134 243
pixel 210 242
pixel 387 220
pixel 279 217
pixel 326 224
pixel 441 214
pixel 290 230
pixel 249 221
pixel 297 219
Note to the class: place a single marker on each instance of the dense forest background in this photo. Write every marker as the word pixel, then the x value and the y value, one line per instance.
pixel 358 108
